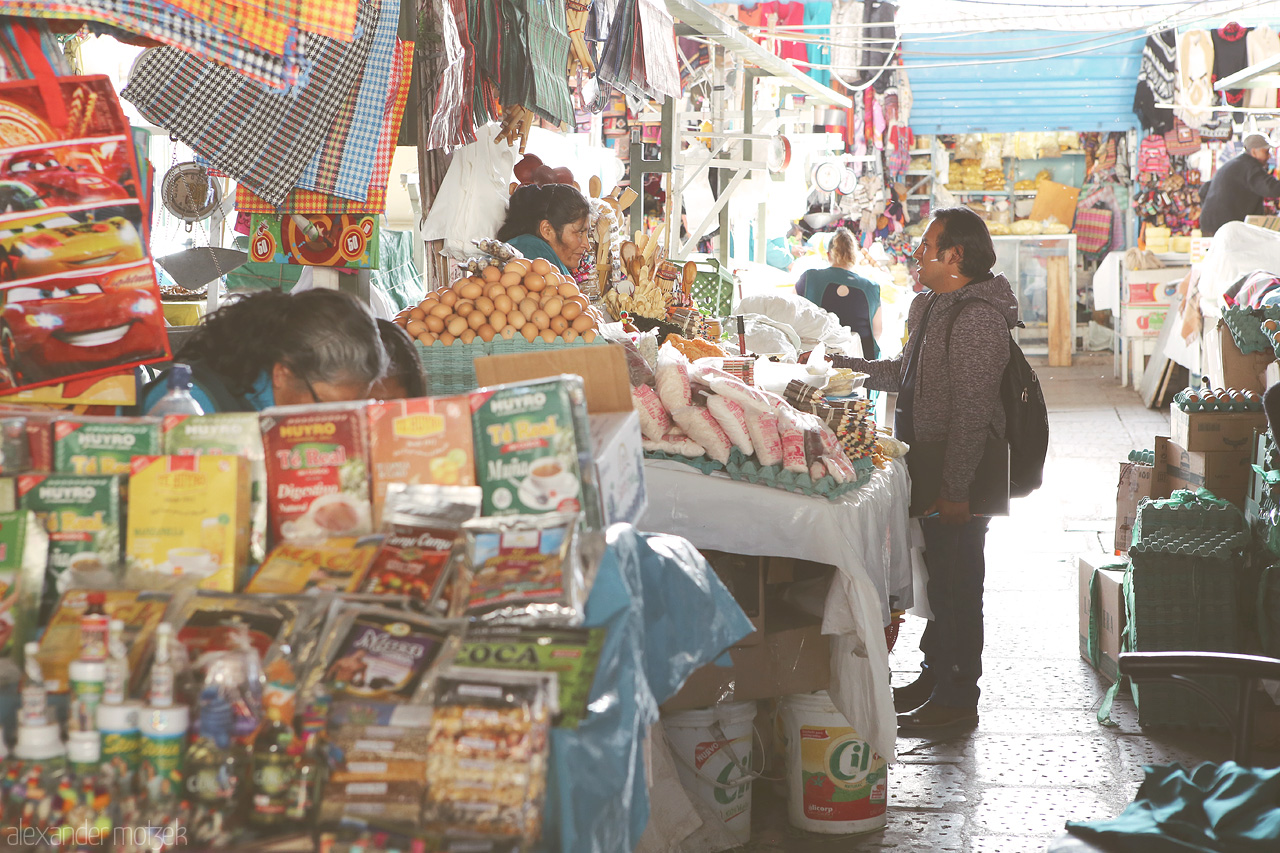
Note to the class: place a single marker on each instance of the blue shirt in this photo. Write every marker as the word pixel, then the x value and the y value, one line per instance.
pixel 261 395
pixel 821 287
pixel 533 246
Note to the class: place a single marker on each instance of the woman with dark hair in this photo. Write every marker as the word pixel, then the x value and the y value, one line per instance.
pixel 852 298
pixel 274 349
pixel 550 222
pixel 404 377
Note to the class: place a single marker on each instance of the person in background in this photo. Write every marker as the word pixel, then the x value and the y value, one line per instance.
pixel 404 376
pixel 550 222
pixel 275 349
pixel 952 394
pixel 852 298
pixel 1239 187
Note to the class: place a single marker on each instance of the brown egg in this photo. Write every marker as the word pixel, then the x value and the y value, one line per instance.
pixel 548 336
pixel 435 325
pixel 441 310
pixel 456 325
pixel 552 306
pixel 484 305
pixel 527 306
pixel 491 274
pixel 493 291
pixel 541 266
pixel 485 333
pixel 471 290
pixel 426 339
pixel 429 303
pixel 503 303
pixel 448 297
pixel 534 283
pixel 517 293
pixel 581 300
pixel 518 265
pixel 415 328
pixel 589 335
pixel 569 335
pixel 476 319
pixel 569 289
pixel 467 336
pixel 559 325
pixel 582 323
pixel 511 278
pixel 508 333
pixel 529 331
pixel 570 310
pixel 540 319
pixel 498 319
pixel 447 339
pixel 515 319
pixel 416 313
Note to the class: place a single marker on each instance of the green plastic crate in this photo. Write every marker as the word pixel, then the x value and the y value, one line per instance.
pixel 452 370
pixel 714 287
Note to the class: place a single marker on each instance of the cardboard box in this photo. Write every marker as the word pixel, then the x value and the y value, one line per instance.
pixel 1107 610
pixel 1136 482
pixel 1151 287
pixel 1227 367
pixel 619 461
pixel 1214 432
pixel 1271 223
pixel 1271 375
pixel 793 656
pixel 1142 321
pixel 743 575
pixel 603 370
pixel 1225 474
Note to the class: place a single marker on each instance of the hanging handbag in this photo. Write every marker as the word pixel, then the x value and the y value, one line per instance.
pixel 1182 140
pixel 1092 229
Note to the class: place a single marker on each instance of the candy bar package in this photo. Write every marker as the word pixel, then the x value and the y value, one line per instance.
pixel 230 434
pixel 141 612
pixel 317 471
pixel 24 554
pixel 424 440
pixel 571 653
pixel 533 448
pixel 83 516
pixel 209 622
pixel 487 753
pixel 15 448
pixel 97 445
pixel 423 524
pixel 398 802
pixel 524 569
pixel 337 565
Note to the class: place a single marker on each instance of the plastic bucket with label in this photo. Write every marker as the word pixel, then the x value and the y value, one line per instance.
pixel 836 783
pixel 713 748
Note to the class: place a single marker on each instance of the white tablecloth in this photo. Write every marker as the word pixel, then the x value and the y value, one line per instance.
pixel 865 534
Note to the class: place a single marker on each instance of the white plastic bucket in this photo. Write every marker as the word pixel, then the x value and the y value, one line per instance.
pixel 713 749
pixel 836 783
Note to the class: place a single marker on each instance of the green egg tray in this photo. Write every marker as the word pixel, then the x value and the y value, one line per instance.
pixel 747 470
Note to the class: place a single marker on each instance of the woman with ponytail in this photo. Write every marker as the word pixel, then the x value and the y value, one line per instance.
pixel 852 298
pixel 551 222
pixel 274 349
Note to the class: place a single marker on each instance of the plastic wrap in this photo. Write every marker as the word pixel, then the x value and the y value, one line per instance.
pixel 733 420
pixel 793 450
pixel 673 379
pixel 654 418
pixel 703 428
pixel 525 569
pixel 765 438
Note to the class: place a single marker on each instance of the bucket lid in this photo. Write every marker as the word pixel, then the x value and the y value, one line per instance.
pixel 119 718
pixel 729 712
pixel 36 743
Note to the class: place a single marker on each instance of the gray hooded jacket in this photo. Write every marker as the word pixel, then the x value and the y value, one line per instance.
pixel 957 394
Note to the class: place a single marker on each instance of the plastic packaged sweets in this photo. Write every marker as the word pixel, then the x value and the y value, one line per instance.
pixel 317 471
pixel 338 565
pixel 140 612
pixel 214 622
pixel 487 753
pixel 571 653
pixel 422 525
pixel 423 440
pixel 15 448
pixel 24 554
pixel 524 569
pixel 83 516
pixel 102 445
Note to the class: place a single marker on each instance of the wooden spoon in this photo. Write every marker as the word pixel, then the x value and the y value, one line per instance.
pixel 594 186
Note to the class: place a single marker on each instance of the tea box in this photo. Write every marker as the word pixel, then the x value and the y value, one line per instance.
pixel 24 554
pixel 234 434
pixel 141 612
pixel 419 441
pixel 317 461
pixel 83 516
pixel 91 446
pixel 189 516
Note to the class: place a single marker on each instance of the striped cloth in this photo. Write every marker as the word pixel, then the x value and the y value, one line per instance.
pixel 344 163
pixel 333 18
pixel 549 59
pixel 173 26
pixel 307 201
pixel 261 138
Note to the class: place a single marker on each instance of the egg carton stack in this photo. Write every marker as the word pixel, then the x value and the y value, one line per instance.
pixel 1252 329
pixel 1217 400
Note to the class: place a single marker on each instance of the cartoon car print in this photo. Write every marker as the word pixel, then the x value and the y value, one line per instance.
pixel 60 184
pixel 58 243
pixel 18 197
pixel 49 330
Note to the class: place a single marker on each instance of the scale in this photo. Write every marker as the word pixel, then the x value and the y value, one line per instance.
pixel 192 195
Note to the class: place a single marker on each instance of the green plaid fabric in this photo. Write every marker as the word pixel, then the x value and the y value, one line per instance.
pixel 548 36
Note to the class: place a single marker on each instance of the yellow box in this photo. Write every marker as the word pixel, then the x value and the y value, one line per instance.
pixel 334 564
pixel 189 515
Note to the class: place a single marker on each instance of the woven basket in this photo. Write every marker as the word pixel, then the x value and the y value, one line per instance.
pixel 451 369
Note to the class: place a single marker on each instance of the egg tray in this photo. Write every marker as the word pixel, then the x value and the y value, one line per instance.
pixel 1245 325
pixel 1142 457
pixel 451 369
pixel 1247 401
pixel 1171 527
pixel 746 469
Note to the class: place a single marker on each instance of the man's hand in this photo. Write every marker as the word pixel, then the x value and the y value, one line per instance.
pixel 949 512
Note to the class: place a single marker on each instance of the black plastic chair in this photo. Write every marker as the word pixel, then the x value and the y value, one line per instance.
pixel 1179 667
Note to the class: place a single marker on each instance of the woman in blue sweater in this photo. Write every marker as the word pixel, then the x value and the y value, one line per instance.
pixel 550 222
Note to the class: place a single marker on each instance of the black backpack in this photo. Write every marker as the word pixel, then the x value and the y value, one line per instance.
pixel 1026 417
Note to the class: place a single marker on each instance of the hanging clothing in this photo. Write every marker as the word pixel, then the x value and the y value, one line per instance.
pixel 1230 54
pixel 846 52
pixel 880 45
pixel 1157 81
pixel 1195 78
pixel 1262 44
pixel 787 15
pixel 817 20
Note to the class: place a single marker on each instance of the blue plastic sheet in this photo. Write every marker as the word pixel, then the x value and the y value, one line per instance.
pixel 667 614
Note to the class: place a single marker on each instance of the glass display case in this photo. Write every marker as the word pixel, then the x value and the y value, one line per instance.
pixel 1025 262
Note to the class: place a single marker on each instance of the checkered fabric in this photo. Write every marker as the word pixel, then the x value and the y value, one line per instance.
pixel 307 201
pixel 261 138
pixel 333 18
pixel 173 26
pixel 549 59
pixel 344 162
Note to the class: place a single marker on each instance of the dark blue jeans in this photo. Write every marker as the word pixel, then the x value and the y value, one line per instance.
pixel 952 642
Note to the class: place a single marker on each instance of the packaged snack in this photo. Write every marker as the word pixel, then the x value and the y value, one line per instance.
pixel 426 440
pixel 383 656
pixel 141 612
pixel 214 622
pixel 350 742
pixel 317 471
pixel 524 568
pixel 533 448
pixel 571 653
pixel 703 428
pixel 487 754
pixel 654 420
pixel 89 446
pixel 24 554
pixel 398 802
pixel 765 439
pixel 15 448
pixel 339 565
pixel 733 420
pixel 40 439
pixel 82 515
pixel 638 370
pixel 422 525
pixel 793 457
pixel 673 379
pixel 231 434
pixel 189 517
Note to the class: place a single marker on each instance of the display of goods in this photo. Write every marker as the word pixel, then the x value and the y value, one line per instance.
pixel 1217 400
pixel 524 569
pixel 530 440
pixel 214 623
pixel 230 433
pixel 426 440
pixel 24 554
pixel 339 565
pixel 60 644
pixel 15 447
pixel 422 525
pixel 520 297
pixel 571 653
pixel 91 446
pixel 317 471
pixel 83 517
pixel 696 348
pixel 189 516
pixel 380 656
pixel 644 292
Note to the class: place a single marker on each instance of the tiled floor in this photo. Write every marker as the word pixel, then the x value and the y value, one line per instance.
pixel 1038 757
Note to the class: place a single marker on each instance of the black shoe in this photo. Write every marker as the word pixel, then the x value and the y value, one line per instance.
pixel 931 718
pixel 914 694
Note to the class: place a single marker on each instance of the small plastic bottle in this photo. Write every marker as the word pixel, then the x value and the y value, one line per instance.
pixel 178 399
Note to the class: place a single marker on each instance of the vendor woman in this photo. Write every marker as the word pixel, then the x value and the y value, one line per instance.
pixel 550 222
pixel 274 349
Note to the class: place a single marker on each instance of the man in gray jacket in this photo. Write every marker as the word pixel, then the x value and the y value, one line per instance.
pixel 950 392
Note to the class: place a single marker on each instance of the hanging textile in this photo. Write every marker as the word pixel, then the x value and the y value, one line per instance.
pixel 1262 44
pixel 1157 81
pixel 334 18
pixel 1230 54
pixel 549 57
pixel 443 75
pixel 1196 97
pixel 790 15
pixel 846 48
pixel 661 69
pixel 1153 156
pixel 817 20
pixel 879 41
pixel 262 138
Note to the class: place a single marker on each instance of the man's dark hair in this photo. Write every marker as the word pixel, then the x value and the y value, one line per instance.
pixel 966 230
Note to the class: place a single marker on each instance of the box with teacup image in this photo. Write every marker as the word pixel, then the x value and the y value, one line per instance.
pixel 190 517
pixel 83 517
pixel 317 471
pixel 101 445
